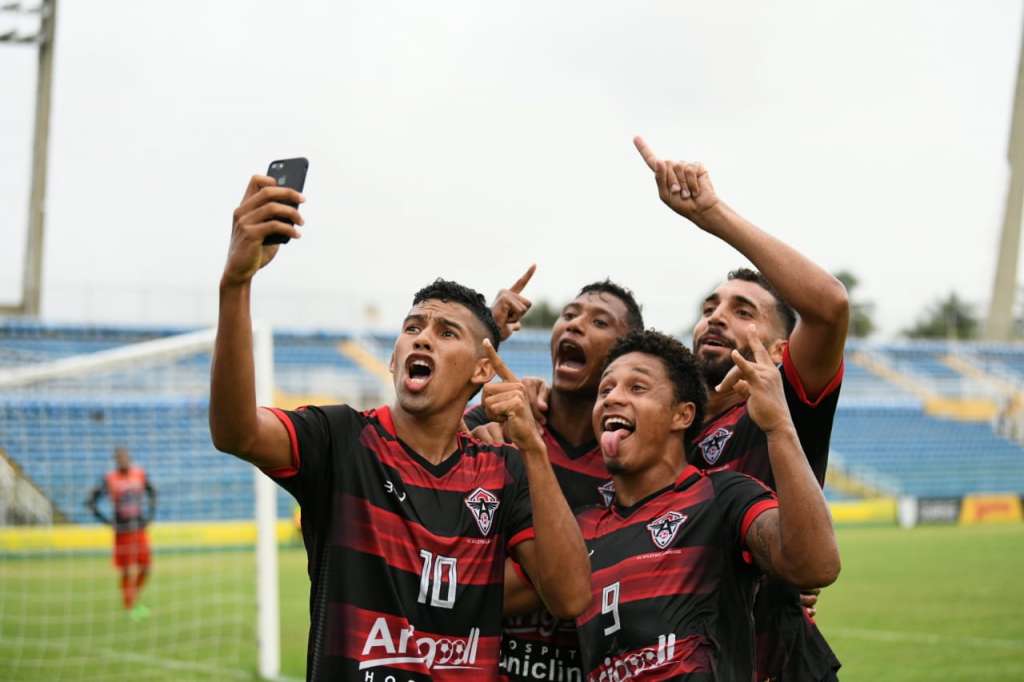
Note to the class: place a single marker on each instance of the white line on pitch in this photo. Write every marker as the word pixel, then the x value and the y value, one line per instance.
pixel 924 638
pixel 166 663
pixel 174 664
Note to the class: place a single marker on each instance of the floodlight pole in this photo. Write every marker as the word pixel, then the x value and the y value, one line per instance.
pixel 999 323
pixel 32 277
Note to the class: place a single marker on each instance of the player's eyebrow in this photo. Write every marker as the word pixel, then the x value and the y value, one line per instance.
pixel 601 310
pixel 415 317
pixel 641 370
pixel 743 300
pixel 712 298
pixel 448 322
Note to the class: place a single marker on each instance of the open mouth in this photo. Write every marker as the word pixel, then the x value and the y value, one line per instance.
pixel 570 356
pixel 419 369
pixel 715 341
pixel 614 430
pixel 617 423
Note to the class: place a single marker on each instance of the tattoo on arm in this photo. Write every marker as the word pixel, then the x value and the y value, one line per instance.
pixel 763 541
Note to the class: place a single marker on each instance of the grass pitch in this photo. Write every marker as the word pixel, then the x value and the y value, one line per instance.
pixel 925 604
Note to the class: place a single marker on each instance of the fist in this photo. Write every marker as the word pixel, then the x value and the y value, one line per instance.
pixel 261 213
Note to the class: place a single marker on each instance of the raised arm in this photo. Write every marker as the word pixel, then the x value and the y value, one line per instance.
pixel 816 345
pixel 796 542
pixel 556 559
pixel 237 425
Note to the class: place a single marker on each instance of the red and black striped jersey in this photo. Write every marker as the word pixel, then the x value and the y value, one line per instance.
pixel 538 646
pixel 406 558
pixel 673 585
pixel 789 644
pixel 734 442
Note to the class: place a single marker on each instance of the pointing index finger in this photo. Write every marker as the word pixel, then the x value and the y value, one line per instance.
pixel 524 280
pixel 731 377
pixel 645 151
pixel 499 365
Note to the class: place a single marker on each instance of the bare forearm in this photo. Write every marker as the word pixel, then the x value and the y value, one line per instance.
pixel 561 570
pixel 807 543
pixel 815 294
pixel 520 597
pixel 233 411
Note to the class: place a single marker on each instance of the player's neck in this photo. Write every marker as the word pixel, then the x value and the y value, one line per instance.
pixel 571 415
pixel 433 436
pixel 632 487
pixel 720 402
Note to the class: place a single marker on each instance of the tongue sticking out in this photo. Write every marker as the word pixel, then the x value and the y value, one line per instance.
pixel 610 441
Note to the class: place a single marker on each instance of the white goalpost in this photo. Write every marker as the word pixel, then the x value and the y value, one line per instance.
pixel 61 611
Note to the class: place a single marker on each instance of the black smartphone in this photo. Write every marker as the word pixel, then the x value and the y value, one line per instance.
pixel 288 173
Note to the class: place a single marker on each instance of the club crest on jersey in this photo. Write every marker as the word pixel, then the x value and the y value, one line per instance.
pixel 713 445
pixel 664 528
pixel 483 504
pixel 607 491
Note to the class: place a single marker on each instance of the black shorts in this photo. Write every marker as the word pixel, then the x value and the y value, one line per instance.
pixel 790 648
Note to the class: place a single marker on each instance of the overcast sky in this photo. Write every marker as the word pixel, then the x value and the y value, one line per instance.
pixel 469 139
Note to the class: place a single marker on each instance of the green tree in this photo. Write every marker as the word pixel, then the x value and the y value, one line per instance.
pixel 862 313
pixel 947 318
pixel 542 315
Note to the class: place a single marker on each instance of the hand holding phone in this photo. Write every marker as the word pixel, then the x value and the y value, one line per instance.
pixel 288 173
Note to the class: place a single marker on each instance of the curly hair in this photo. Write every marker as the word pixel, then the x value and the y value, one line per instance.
pixel 680 364
pixel 449 291
pixel 634 317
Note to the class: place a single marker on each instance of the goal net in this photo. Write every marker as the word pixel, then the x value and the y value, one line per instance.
pixel 207 609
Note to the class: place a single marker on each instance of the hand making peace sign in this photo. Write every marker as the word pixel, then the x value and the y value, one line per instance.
pixel 760 383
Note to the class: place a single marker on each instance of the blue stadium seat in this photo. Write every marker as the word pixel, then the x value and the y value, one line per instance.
pixel 63 438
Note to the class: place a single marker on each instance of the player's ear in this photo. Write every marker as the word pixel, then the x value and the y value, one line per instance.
pixel 391 363
pixel 484 370
pixel 682 416
pixel 776 348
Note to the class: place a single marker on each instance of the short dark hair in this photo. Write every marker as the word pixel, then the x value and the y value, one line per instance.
pixel 785 312
pixel 634 316
pixel 680 364
pixel 447 290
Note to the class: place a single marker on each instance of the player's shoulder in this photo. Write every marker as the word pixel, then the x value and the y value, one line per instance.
pixel 325 411
pixel 824 402
pixel 726 479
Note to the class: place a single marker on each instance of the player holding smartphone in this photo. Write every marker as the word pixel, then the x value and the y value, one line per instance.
pixel 290 173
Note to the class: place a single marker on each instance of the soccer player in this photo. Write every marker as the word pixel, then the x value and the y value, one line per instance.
pixel 535 644
pixel 677 556
pixel 126 485
pixel 407 522
pixel 809 352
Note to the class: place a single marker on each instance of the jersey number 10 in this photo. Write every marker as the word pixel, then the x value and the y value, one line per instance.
pixel 434 570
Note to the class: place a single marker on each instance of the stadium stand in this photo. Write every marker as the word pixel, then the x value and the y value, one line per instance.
pixel 887 435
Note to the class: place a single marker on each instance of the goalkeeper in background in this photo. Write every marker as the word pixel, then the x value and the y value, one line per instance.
pixel 125 485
